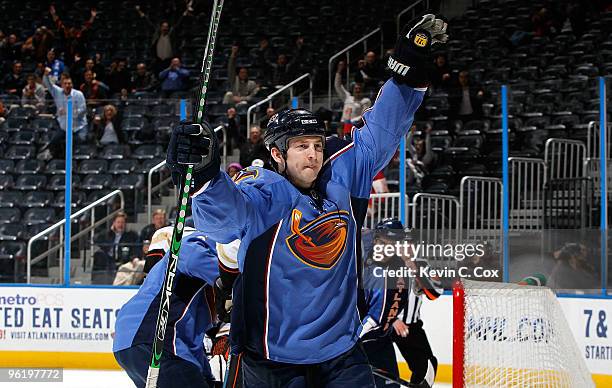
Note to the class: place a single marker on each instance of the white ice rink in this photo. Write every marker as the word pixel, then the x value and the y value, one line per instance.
pixel 97 379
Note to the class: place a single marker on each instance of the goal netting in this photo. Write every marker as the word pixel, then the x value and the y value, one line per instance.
pixel 508 335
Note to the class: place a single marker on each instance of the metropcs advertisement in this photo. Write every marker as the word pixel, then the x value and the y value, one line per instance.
pixel 59 319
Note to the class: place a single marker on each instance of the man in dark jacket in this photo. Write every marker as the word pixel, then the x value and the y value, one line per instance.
pixel 253 148
pixel 116 246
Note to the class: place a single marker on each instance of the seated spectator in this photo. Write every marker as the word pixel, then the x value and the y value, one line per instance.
pixel 142 79
pixel 92 89
pixel 263 123
pixel 242 89
pixel 33 94
pixel 79 115
pixel 442 74
pixel 371 72
pixel 159 220
pixel 465 99
pixel 233 168
pixel 115 247
pixel 14 82
pixel 56 66
pixel 174 78
pixel 280 72
pixel 107 129
pixel 11 51
pixel 119 77
pixel 253 148
pixel 354 104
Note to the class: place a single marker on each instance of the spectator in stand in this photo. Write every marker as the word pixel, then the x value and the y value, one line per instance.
pixel 33 94
pixel 11 50
pixel 280 72
pixel 253 148
pixel 232 169
pixel 119 77
pixel 107 129
pixel 263 123
pixel 73 38
pixel 441 79
pixel 465 99
pixel 3 112
pixel 98 67
pixel 301 57
pixel 242 89
pixel 354 104
pixel 37 45
pixel 174 78
pixel 542 22
pixel 263 54
pixel 158 221
pixel 232 125
pixel 92 89
pixel 14 82
pixel 371 72
pixel 57 66
pixel 421 156
pixel 116 246
pixel 163 44
pixel 78 74
pixel 142 80
pixel 79 115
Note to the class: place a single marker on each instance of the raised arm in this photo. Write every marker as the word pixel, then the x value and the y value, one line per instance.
pixel 392 114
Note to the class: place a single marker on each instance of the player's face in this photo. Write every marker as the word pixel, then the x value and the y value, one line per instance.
pixel 304 160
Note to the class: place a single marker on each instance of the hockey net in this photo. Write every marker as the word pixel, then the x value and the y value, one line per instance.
pixel 508 335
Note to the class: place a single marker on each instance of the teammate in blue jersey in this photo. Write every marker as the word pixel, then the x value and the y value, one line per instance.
pixel 295 317
pixel 394 311
pixel 183 362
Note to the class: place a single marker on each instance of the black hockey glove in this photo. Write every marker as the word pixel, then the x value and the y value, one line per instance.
pixel 223 300
pixel 193 144
pixel 411 61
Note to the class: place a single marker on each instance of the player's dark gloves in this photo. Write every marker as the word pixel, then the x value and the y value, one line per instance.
pixel 411 61
pixel 194 144
pixel 223 300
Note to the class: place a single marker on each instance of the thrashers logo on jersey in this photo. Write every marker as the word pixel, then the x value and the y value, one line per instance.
pixel 244 174
pixel 320 243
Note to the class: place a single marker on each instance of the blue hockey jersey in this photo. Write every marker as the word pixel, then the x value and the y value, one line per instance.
pixel 191 304
pixel 296 298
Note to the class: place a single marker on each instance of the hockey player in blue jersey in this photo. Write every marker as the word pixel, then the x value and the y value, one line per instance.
pixel 183 362
pixel 295 318
pixel 394 311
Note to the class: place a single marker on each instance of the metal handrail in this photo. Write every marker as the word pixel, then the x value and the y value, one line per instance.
pixel 346 50
pixel 59 224
pixel 410 7
pixel 269 98
pixel 162 164
pixel 153 169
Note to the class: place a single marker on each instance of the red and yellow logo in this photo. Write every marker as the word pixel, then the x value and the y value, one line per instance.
pixel 320 243
pixel 421 40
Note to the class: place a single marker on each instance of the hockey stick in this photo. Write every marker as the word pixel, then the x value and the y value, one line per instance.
pixel 386 375
pixel 177 232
